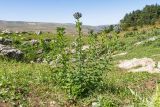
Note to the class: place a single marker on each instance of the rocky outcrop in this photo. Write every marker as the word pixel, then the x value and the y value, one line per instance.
pixel 5 41
pixel 140 65
pixel 10 52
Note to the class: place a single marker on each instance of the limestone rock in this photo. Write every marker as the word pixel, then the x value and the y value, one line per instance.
pixel 140 65
pixel 10 52
pixel 5 41
pixel 85 47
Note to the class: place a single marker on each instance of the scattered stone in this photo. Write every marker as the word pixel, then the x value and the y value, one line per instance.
pixel 120 54
pixel 73 51
pixel 128 64
pixel 34 42
pixel 45 61
pixel 53 104
pixel 153 38
pixel 96 104
pixel 73 60
pixel 10 52
pixel 140 65
pixel 32 62
pixel 148 40
pixel 51 63
pixel 6 31
pixel 74 44
pixel 5 41
pixel 85 47
pixel 139 43
pixel 39 60
pixel 40 51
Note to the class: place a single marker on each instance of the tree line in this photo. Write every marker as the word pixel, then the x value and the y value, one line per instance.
pixel 149 15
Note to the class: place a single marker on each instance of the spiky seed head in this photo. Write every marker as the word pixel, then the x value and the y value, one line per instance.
pixel 77 15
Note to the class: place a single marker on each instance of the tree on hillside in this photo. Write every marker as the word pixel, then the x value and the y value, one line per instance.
pixel 150 14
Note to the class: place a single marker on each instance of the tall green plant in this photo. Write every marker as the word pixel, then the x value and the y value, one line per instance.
pixel 61 57
pixel 77 16
pixel 84 75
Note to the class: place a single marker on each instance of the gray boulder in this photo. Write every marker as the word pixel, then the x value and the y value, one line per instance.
pixel 10 52
pixel 5 41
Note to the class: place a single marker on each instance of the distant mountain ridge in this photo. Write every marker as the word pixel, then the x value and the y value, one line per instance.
pixel 44 26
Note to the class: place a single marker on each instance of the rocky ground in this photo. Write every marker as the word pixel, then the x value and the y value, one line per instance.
pixel 9 51
pixel 140 65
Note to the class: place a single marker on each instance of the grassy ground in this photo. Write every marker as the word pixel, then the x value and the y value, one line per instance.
pixel 27 84
pixel 32 84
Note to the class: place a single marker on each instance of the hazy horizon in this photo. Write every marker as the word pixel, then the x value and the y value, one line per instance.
pixel 94 12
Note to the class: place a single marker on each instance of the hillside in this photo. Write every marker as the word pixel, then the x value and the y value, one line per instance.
pixel 149 15
pixel 111 68
pixel 41 26
pixel 36 80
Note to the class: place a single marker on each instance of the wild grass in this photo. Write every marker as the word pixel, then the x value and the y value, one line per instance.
pixel 92 78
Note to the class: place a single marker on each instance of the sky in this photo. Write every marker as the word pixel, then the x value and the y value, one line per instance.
pixel 95 12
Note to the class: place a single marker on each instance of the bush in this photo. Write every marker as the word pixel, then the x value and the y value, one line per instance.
pixel 81 77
